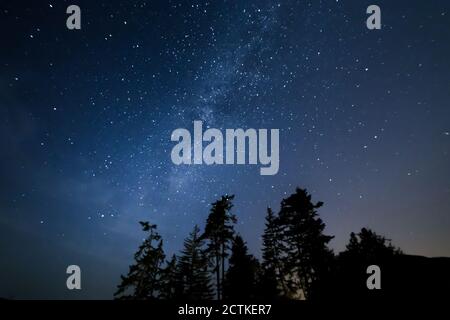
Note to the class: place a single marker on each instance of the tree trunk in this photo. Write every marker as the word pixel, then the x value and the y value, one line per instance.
pixel 218 276
pixel 223 263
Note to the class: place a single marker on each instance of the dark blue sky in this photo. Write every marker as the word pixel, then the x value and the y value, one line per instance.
pixel 86 118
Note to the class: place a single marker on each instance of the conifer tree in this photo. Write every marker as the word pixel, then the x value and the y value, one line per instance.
pixel 369 246
pixel 193 268
pixel 365 248
pixel 272 277
pixel 242 275
pixel 306 256
pixel 219 233
pixel 171 285
pixel 143 278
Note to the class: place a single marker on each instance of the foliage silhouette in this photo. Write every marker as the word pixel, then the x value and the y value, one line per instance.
pixel 171 283
pixel 272 283
pixel 296 262
pixel 349 269
pixel 369 246
pixel 219 232
pixel 306 256
pixel 143 278
pixel 193 269
pixel 241 279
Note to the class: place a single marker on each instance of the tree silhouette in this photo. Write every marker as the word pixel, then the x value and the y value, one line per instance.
pixel 143 278
pixel 219 232
pixel 241 278
pixel 272 276
pixel 363 249
pixel 193 268
pixel 370 246
pixel 171 285
pixel 306 256
pixel 296 261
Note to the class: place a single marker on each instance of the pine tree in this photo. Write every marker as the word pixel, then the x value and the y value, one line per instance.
pixel 369 246
pixel 242 275
pixel 272 277
pixel 143 278
pixel 364 248
pixel 193 268
pixel 219 232
pixel 171 285
pixel 306 256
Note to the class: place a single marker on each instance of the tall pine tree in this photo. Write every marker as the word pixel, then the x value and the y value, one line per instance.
pixel 272 277
pixel 219 233
pixel 193 268
pixel 306 256
pixel 242 275
pixel 143 278
pixel 171 285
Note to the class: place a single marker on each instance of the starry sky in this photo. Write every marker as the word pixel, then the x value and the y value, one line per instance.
pixel 86 118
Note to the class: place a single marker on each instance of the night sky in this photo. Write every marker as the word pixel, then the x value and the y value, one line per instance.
pixel 86 118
